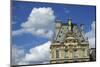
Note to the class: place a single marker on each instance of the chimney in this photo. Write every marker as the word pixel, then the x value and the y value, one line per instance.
pixel 58 23
pixel 82 27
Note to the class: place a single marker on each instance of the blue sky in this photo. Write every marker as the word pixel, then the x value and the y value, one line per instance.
pixel 21 11
pixel 79 14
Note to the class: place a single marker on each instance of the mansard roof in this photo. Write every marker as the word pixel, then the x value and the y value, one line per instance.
pixel 76 33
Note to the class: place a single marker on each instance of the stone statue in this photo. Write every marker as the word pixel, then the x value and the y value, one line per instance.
pixel 70 25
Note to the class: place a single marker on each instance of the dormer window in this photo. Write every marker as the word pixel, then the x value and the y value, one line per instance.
pixel 61 32
pixel 59 36
pixel 79 35
pixel 57 41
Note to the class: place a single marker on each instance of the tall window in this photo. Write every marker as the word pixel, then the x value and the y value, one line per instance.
pixel 75 55
pixel 52 54
pixel 57 53
pixel 75 58
pixel 65 54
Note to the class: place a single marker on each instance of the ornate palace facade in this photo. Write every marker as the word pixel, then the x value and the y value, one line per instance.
pixel 69 44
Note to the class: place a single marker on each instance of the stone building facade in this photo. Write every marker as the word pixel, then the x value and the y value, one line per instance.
pixel 69 44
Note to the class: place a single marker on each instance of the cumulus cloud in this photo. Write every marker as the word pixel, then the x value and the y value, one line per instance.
pixel 91 35
pixel 36 55
pixel 17 54
pixel 40 22
pixel 19 32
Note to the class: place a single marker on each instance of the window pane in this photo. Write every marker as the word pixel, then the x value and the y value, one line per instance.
pixel 57 54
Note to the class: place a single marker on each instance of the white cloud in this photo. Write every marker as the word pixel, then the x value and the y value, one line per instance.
pixel 40 22
pixel 17 54
pixel 19 32
pixel 36 55
pixel 91 35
